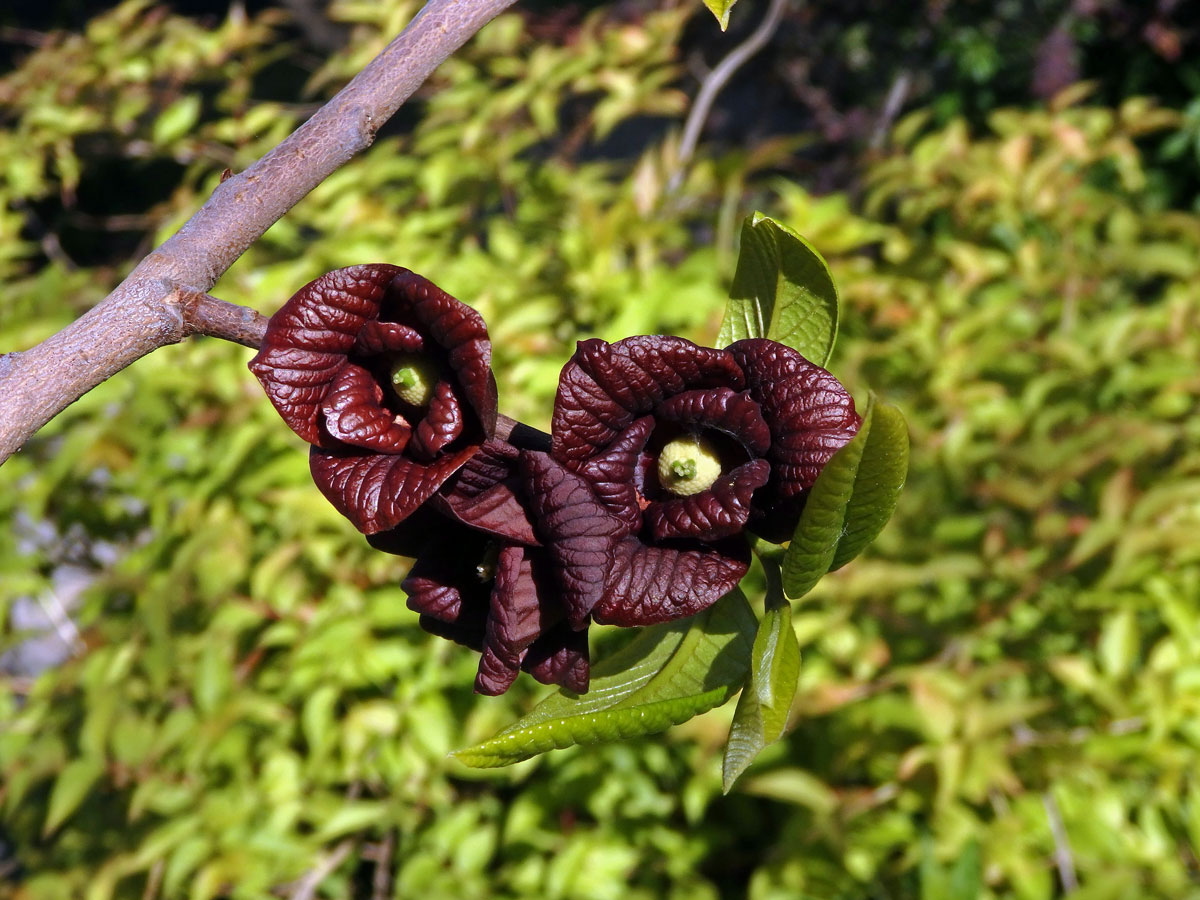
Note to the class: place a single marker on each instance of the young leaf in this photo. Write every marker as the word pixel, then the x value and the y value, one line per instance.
pixel 720 9
pixel 666 675
pixel 852 500
pixel 781 290
pixel 762 710
pixel 881 474
pixel 70 787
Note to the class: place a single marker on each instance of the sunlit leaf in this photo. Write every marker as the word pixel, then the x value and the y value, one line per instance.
pixel 721 9
pixel 782 290
pixel 851 501
pixel 70 787
pixel 666 675
pixel 762 709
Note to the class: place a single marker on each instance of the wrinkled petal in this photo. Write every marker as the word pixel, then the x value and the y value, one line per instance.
pixel 387 337
pixel 442 423
pixel 604 387
pixel 722 409
pixel 451 601
pixel 517 616
pixel 354 413
pixel 455 327
pixel 560 656
pixel 308 339
pixel 810 413
pixel 485 494
pixel 721 511
pixel 613 473
pixel 578 532
pixel 652 584
pixel 377 491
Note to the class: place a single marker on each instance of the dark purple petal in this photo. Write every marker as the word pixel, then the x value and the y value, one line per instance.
pixel 721 511
pixel 578 532
pixel 658 584
pixel 354 413
pixel 810 413
pixel 451 599
pixel 722 409
pixel 377 491
pixel 517 616
pixel 455 327
pixel 560 656
pixel 604 387
pixel 376 338
pixel 442 423
pixel 308 340
pixel 613 473
pixel 484 494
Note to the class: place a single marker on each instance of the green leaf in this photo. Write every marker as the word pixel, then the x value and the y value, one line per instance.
pixel 762 710
pixel 720 9
pixel 71 786
pixel 177 120
pixel 852 500
pixel 666 675
pixel 881 474
pixel 782 290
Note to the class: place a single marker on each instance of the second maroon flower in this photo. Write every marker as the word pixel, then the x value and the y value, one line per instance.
pixel 389 378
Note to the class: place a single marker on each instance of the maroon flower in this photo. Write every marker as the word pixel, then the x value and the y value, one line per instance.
pixel 685 447
pixel 483 576
pixel 389 378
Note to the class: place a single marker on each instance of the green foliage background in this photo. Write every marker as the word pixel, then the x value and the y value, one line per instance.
pixel 251 701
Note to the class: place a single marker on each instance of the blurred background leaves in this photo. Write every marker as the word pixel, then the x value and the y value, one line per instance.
pixel 999 699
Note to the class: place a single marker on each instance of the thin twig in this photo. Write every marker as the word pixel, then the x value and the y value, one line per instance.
pixel 306 887
pixel 381 881
pixel 149 308
pixel 712 85
pixel 1063 860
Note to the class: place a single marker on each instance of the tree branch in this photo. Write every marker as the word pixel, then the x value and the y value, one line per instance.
pixel 714 81
pixel 164 300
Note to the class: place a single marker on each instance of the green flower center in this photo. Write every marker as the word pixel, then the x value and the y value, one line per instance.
pixel 688 465
pixel 414 377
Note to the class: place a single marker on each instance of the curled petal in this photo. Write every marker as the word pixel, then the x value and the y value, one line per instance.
pixel 810 413
pixel 308 339
pixel 604 387
pixel 485 494
pixel 517 616
pixel 658 584
pixel 560 656
pixel 722 409
pixel 455 327
pixel 377 491
pixel 721 511
pixel 387 337
pixel 354 413
pixel 613 474
pixel 578 532
pixel 442 423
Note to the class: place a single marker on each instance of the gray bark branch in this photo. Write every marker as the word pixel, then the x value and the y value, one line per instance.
pixel 164 299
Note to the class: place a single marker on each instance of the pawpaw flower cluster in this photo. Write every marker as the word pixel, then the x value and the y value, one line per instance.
pixel 663 456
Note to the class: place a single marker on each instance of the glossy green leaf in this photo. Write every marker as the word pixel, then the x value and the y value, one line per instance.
pixel 851 501
pixel 782 290
pixel 721 9
pixel 70 787
pixel 762 709
pixel 881 474
pixel 666 675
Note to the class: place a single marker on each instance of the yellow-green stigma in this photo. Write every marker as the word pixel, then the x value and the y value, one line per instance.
pixel 688 465
pixel 413 377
